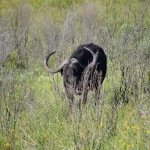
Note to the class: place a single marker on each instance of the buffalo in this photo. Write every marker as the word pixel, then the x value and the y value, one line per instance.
pixel 85 70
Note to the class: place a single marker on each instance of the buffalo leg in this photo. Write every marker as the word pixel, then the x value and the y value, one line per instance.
pixel 71 99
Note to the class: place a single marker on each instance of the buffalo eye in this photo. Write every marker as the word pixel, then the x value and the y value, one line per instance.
pixel 63 69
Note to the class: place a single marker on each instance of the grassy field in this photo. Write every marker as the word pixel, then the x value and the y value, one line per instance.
pixel 34 111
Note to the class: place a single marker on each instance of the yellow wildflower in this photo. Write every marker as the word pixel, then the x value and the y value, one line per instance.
pixel 121 140
pixel 148 131
pixel 7 144
pixel 126 122
pixel 133 127
pixel 136 127
pixel 12 131
pixel 127 125
pixel 101 125
pixel 124 143
pixel 124 132
pixel 130 145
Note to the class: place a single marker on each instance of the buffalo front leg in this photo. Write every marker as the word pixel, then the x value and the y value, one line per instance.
pixel 71 99
pixel 83 98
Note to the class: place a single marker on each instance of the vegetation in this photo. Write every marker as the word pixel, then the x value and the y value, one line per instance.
pixel 34 111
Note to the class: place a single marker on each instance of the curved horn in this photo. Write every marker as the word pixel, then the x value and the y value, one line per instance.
pixel 57 69
pixel 95 56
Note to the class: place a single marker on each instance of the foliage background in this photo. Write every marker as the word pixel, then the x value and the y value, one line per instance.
pixel 34 111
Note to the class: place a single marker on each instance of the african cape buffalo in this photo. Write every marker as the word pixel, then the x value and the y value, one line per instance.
pixel 85 70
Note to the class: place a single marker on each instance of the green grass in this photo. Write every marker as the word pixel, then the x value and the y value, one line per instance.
pixel 45 122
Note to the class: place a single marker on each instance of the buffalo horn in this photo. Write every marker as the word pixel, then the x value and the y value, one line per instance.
pixel 94 56
pixel 57 69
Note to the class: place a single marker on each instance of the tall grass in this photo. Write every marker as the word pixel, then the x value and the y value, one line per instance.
pixel 34 111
